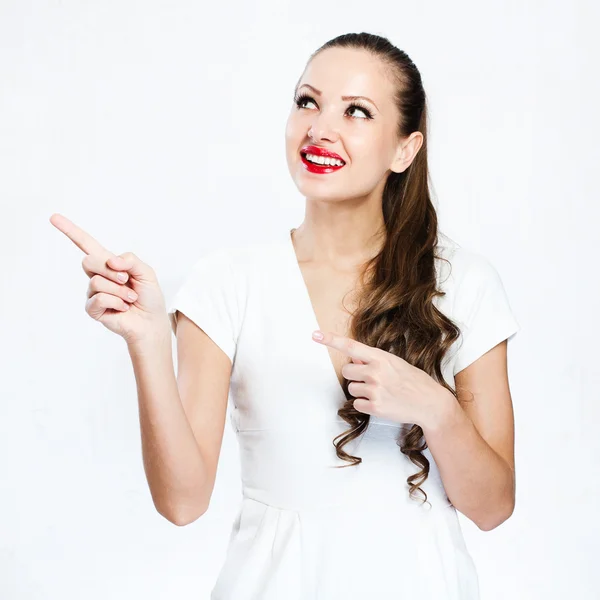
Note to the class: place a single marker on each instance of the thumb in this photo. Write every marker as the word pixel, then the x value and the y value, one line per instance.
pixel 136 268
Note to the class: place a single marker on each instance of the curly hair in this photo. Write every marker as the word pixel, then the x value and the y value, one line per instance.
pixel 395 310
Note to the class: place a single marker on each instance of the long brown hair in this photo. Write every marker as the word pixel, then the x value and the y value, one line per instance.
pixel 396 311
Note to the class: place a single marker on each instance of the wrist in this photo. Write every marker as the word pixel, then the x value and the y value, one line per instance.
pixel 441 413
pixel 156 341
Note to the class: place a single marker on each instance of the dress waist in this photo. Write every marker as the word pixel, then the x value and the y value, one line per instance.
pixel 291 471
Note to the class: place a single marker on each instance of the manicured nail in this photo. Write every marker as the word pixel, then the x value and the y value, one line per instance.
pixel 317 335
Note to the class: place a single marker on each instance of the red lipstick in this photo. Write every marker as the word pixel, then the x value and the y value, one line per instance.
pixel 321 169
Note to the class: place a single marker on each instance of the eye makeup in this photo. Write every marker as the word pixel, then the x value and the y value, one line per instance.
pixel 300 98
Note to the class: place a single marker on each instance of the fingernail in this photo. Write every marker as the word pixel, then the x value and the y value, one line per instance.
pixel 317 335
pixel 122 277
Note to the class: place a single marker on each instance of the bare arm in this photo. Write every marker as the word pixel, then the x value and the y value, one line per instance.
pixel 182 420
pixel 172 460
pixel 473 442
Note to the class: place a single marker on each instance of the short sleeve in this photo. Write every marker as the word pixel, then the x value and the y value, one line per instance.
pixel 482 308
pixel 208 297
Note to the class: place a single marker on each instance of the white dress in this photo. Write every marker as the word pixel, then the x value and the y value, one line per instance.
pixel 306 530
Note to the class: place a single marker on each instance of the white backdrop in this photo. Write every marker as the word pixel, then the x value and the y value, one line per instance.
pixel 159 128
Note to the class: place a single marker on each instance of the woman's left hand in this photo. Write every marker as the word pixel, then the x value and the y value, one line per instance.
pixel 387 386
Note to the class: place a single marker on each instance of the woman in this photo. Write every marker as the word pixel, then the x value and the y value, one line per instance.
pixel 407 389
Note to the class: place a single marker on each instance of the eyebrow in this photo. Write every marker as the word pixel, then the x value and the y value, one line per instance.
pixel 318 93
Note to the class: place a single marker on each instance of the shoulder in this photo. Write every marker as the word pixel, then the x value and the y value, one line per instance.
pixel 477 302
pixel 462 268
pixel 471 284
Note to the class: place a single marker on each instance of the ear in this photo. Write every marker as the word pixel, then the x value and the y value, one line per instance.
pixel 407 150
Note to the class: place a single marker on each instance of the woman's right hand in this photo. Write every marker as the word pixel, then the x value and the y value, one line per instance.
pixel 136 319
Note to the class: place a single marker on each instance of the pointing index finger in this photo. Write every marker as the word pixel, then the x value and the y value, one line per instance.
pixel 84 241
pixel 348 346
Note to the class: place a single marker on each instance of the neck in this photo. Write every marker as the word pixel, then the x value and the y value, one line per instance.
pixel 334 246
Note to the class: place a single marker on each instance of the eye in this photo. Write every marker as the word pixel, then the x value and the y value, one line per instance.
pixel 363 109
pixel 301 99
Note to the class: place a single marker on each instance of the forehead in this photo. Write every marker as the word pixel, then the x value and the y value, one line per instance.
pixel 349 71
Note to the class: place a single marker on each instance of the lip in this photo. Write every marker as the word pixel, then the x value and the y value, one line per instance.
pixel 322 169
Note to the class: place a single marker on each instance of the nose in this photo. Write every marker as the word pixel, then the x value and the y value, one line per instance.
pixel 322 129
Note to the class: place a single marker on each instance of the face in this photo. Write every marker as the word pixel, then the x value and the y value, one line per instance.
pixel 362 132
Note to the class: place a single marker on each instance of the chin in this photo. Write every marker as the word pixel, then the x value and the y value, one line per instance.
pixel 319 194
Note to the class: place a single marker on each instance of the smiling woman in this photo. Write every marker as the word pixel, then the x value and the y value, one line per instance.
pixel 380 386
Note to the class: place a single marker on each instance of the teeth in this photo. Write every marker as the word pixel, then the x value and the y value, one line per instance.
pixel 322 160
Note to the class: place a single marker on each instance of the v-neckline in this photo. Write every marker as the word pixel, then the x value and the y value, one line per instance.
pixel 312 312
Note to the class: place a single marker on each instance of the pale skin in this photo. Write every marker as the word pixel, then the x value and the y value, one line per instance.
pixel 472 440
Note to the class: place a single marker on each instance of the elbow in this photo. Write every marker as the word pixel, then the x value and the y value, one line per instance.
pixel 187 520
pixel 494 521
pixel 504 509
pixel 182 518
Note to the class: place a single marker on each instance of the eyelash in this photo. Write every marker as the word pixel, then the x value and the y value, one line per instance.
pixel 300 98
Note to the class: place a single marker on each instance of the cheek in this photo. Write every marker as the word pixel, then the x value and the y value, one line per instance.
pixel 288 130
pixel 293 137
pixel 375 155
pixel 294 128
pixel 368 157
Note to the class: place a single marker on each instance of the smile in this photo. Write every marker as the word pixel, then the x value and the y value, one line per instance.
pixel 319 160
